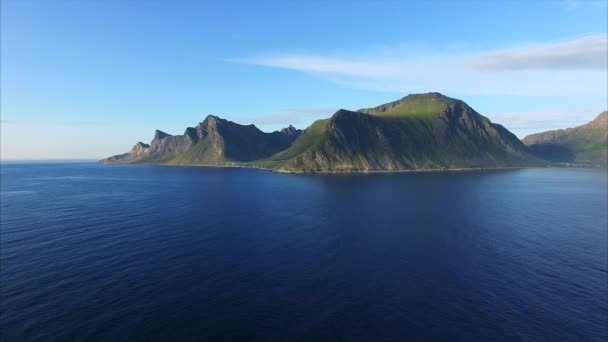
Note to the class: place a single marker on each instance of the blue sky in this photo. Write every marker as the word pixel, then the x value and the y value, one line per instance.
pixel 89 79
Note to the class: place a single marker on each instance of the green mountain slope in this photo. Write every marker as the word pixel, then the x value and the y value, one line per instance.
pixel 586 144
pixel 425 131
pixel 214 141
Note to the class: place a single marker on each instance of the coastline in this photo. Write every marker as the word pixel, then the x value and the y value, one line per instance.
pixel 444 170
pixel 345 172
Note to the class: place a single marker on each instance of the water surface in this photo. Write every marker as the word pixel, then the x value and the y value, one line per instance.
pixel 149 252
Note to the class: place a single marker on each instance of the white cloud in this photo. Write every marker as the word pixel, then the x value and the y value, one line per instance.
pixel 525 123
pixel 300 117
pixel 590 52
pixel 571 67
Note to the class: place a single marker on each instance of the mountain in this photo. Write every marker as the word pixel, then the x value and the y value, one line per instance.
pixel 423 131
pixel 586 144
pixel 214 141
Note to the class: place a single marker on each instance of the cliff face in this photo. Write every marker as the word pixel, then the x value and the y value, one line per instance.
pixel 586 144
pixel 214 141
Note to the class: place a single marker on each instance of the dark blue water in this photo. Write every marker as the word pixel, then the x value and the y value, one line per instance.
pixel 167 253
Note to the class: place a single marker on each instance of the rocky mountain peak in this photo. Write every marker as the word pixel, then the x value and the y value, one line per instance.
pixel 291 131
pixel 211 122
pixel 160 135
pixel 419 131
pixel 139 149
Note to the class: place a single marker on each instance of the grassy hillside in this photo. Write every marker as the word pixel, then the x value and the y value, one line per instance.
pixel 416 105
pixel 586 144
pixel 427 131
pixel 422 131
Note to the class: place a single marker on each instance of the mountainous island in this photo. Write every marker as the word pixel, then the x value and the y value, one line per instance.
pixel 213 142
pixel 584 145
pixel 418 132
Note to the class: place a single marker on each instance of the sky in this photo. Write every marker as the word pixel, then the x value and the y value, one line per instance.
pixel 89 79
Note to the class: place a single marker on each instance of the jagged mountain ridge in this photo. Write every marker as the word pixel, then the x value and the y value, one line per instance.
pixel 421 131
pixel 214 141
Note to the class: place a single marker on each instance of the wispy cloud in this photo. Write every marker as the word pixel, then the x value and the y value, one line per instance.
pixel 297 116
pixel 525 123
pixel 571 67
pixel 589 52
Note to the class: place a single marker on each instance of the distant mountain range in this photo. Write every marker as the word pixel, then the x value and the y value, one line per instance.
pixel 418 132
pixel 585 145
pixel 214 141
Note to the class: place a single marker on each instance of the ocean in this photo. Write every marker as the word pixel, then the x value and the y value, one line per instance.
pixel 136 252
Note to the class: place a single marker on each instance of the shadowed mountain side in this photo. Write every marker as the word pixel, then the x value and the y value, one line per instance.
pixel 422 131
pixel 214 141
pixel 426 131
pixel 586 144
